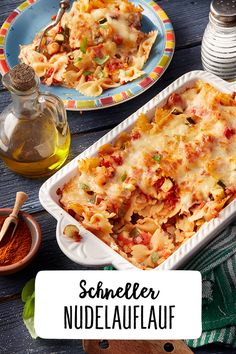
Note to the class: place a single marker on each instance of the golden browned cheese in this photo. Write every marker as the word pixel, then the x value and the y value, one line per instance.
pixel 154 188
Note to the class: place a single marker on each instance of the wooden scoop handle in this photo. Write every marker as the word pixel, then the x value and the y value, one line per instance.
pixel 135 347
pixel 21 197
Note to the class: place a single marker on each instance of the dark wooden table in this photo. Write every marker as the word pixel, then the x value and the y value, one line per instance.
pixel 189 18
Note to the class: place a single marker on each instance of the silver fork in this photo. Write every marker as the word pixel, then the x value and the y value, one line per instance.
pixel 64 5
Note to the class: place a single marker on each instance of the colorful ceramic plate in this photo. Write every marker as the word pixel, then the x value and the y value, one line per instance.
pixel 31 16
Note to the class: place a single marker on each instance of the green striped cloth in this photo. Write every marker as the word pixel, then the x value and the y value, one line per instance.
pixel 217 264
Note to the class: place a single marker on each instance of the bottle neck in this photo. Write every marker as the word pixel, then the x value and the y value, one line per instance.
pixel 25 105
pixel 24 102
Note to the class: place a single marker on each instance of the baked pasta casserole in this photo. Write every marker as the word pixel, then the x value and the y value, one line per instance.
pixel 151 190
pixel 97 45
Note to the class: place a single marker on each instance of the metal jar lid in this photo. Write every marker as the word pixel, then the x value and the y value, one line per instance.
pixel 223 12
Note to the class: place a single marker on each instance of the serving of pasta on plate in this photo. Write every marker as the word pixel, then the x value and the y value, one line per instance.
pixel 155 187
pixel 98 45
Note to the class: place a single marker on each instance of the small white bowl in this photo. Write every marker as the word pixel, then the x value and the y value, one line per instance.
pixel 36 241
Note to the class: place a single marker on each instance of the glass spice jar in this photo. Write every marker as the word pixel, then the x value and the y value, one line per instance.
pixel 34 133
pixel 219 40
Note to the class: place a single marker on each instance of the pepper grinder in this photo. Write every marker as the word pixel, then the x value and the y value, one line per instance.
pixel 219 40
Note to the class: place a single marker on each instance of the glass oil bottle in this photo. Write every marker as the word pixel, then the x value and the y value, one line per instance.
pixel 34 133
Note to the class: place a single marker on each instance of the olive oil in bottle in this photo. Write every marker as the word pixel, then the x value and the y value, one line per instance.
pixel 34 133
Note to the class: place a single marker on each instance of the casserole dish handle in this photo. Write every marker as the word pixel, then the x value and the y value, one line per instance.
pixel 89 250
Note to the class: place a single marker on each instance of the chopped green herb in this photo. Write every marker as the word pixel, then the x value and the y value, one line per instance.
pixel 77 60
pixel 221 184
pixel 135 232
pixel 154 257
pixel 123 177
pixel 157 158
pixel 103 26
pixel 191 121
pixel 87 72
pixel 101 61
pixel 84 186
pixel 83 45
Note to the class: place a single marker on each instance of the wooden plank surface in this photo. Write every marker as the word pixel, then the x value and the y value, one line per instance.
pixel 189 19
pixel 181 12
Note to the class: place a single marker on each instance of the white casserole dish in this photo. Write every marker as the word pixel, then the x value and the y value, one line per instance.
pixel 91 250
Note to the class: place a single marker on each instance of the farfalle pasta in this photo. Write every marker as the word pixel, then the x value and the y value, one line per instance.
pixel 98 45
pixel 159 183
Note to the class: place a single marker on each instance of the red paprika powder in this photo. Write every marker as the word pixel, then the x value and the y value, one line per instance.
pixel 13 249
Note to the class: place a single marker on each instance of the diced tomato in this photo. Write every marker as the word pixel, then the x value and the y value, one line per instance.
pixel 171 199
pixel 117 39
pixel 105 163
pixel 98 50
pixel 55 82
pixel 54 17
pixel 126 241
pixel 230 190
pixel 118 159
pixel 229 132
pixel 175 100
pixel 49 72
pixel 138 240
pixel 135 135
pixel 111 67
pixel 159 183
pixel 60 30
pixel 114 64
pixel 89 77
pixel 145 237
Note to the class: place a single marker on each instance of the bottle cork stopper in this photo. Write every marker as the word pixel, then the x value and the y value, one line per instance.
pixel 22 77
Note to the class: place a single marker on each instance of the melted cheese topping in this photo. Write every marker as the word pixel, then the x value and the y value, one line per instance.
pixel 96 46
pixel 181 166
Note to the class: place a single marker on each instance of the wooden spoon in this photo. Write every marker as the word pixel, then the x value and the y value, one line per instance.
pixel 12 219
